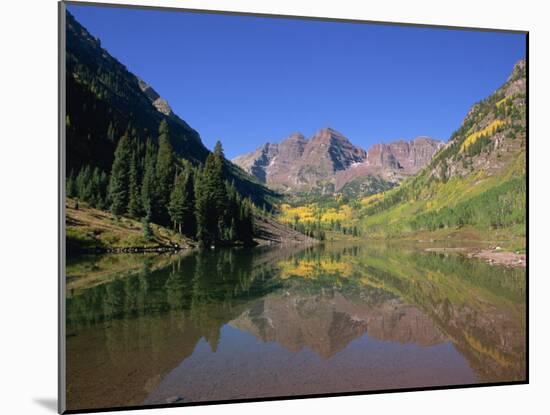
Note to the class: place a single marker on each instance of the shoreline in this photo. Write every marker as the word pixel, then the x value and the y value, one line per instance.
pixel 161 249
pixel 492 256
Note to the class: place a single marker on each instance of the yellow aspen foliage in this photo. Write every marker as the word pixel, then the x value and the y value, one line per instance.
pixel 503 100
pixel 372 198
pixel 489 130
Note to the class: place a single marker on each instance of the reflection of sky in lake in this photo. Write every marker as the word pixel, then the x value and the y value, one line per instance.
pixel 233 324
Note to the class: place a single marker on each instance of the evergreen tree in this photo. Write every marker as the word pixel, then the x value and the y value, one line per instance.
pixel 218 151
pixel 134 202
pixel 103 185
pixel 83 184
pixel 70 186
pixel 165 171
pixel 217 183
pixel 147 233
pixel 203 209
pixel 149 183
pixel 189 221
pixel 120 177
pixel 246 219
pixel 211 199
pixel 96 196
pixel 176 207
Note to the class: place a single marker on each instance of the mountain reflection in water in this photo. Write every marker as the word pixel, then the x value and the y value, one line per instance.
pixel 235 324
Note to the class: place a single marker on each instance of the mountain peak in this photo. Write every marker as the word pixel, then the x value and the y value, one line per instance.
pixel 328 133
pixel 328 157
pixel 295 137
pixel 519 70
pixel 329 130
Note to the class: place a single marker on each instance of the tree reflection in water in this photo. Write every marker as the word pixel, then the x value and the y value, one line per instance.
pixel 341 317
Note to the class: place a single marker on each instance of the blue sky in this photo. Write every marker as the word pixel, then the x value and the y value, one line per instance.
pixel 247 80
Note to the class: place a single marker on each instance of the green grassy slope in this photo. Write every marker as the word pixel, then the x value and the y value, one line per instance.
pixel 89 229
pixel 476 182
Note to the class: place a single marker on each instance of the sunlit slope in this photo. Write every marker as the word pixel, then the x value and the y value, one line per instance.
pixel 477 180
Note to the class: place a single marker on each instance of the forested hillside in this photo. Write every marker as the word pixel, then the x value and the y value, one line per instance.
pixel 106 102
pixel 153 184
pixel 128 153
pixel 478 179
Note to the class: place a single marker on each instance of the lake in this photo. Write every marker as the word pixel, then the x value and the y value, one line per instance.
pixel 268 322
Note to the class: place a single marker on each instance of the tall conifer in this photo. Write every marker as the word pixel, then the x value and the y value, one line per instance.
pixel 165 170
pixel 211 199
pixel 120 177
pixel 70 186
pixel 177 200
pixel 134 202
pixel 149 182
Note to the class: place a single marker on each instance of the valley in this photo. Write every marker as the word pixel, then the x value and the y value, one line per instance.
pixel 144 179
pixel 206 262
pixel 471 188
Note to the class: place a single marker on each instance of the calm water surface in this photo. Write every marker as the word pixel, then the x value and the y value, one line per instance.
pixel 232 324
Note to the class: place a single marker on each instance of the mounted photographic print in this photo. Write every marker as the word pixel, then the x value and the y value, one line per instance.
pixel 258 207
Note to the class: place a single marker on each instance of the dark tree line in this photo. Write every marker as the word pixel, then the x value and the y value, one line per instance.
pixel 311 229
pixel 89 185
pixel 317 229
pixel 148 182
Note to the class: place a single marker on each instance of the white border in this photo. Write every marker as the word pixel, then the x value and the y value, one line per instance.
pixel 28 171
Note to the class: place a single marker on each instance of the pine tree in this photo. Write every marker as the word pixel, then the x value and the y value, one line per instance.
pixel 149 183
pixel 189 221
pixel 211 199
pixel 147 233
pixel 96 195
pixel 120 177
pixel 232 213
pixel 70 186
pixel 83 184
pixel 134 202
pixel 218 187
pixel 103 185
pixel 246 222
pixel 202 209
pixel 176 207
pixel 218 151
pixel 165 170
pixel 80 182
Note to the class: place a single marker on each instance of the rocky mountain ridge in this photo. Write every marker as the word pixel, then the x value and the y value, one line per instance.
pixel 157 101
pixel 329 160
